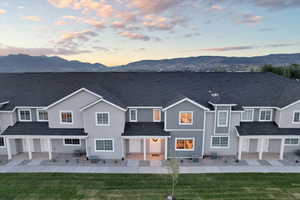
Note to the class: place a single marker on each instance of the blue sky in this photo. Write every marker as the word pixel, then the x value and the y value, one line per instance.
pixel 115 32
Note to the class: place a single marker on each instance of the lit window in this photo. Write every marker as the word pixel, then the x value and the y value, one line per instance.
pixel 66 117
pixel 133 115
pixel 25 115
pixel 184 144
pixel 247 115
pixel 42 115
pixel 185 118
pixel 265 115
pixel 2 144
pixel 156 115
pixel 219 141
pixel 296 118
pixel 102 119
pixel 291 141
pixel 222 118
pixel 72 142
pixel 104 145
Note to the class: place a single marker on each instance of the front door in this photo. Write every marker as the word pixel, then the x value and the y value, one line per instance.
pixel 253 145
pixel 155 145
pixel 37 145
pixel 19 145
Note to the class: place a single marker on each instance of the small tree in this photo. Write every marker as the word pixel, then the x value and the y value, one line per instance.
pixel 173 168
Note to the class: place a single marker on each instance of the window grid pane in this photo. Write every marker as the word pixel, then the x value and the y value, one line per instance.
pixel 185 144
pixel 66 117
pixel 133 116
pixel 25 115
pixel 247 115
pixel 104 145
pixel 297 117
pixel 1 142
pixel 220 141
pixel 43 115
pixel 223 118
pixel 102 118
pixel 186 118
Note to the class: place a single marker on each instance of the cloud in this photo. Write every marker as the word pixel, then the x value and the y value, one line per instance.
pixel 267 29
pixel 70 17
pixel 134 36
pixel 118 25
pixel 216 8
pixel 94 22
pixel 61 23
pixel 190 35
pixel 276 4
pixel 62 3
pixel 74 40
pixel 250 19
pixel 155 22
pixel 154 6
pixel 2 12
pixel 32 18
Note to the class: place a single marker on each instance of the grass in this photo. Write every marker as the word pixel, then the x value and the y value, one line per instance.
pixel 148 187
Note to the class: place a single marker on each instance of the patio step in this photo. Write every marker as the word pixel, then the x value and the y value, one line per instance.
pixel 35 162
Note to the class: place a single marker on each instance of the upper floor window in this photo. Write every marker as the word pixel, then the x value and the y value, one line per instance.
pixel 71 142
pixel 66 117
pixel 156 115
pixel 2 144
pixel 296 118
pixel 223 118
pixel 185 118
pixel 291 141
pixel 102 119
pixel 184 144
pixel 219 141
pixel 133 115
pixel 25 115
pixel 265 115
pixel 247 115
pixel 42 115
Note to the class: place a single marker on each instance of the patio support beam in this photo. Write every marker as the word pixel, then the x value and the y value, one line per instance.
pixel 261 149
pixel 49 148
pixel 86 148
pixel 29 148
pixel 8 149
pixel 145 155
pixel 281 149
pixel 240 148
pixel 166 148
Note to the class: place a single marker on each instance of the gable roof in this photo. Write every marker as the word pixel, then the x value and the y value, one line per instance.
pixel 183 100
pixel 102 100
pixel 150 89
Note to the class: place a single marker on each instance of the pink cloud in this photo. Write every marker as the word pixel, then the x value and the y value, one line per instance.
pixel 62 3
pixel 60 23
pixel 94 22
pixel 160 23
pixel 216 7
pixel 32 18
pixel 154 6
pixel 134 36
pixel 118 25
pixel 2 12
pixel 250 19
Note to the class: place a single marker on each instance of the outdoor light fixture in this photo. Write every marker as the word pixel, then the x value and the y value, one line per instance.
pixel 154 139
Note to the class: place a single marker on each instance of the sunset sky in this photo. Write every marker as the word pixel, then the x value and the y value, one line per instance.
pixel 114 32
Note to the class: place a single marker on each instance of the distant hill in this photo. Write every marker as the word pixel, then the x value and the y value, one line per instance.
pixel 25 63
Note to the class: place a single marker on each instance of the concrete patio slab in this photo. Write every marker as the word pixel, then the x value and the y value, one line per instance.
pixel 253 163
pixel 275 163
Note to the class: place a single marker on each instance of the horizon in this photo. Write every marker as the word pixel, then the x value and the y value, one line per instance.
pixel 118 32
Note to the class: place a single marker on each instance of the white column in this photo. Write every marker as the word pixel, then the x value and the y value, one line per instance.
pixel 123 150
pixel 281 149
pixel 240 148
pixel 8 149
pixel 86 148
pixel 145 155
pixel 166 148
pixel 261 149
pixel 29 149
pixel 49 148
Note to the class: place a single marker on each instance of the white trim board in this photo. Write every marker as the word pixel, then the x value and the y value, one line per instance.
pixel 186 99
pixel 102 100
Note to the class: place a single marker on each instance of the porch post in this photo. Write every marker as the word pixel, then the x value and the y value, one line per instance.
pixel 29 148
pixel 49 148
pixel 86 148
pixel 281 149
pixel 8 149
pixel 145 155
pixel 123 151
pixel 240 148
pixel 261 148
pixel 166 148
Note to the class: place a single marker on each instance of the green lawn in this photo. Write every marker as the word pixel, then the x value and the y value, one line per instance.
pixel 145 187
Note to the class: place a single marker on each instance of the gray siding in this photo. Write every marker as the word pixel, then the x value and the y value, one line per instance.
pixel 172 116
pixel 6 119
pixel 287 115
pixel 114 131
pixel 223 130
pixel 74 104
pixel 59 147
pixel 144 115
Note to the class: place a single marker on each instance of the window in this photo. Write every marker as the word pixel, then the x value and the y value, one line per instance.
pixel 66 117
pixel 156 115
pixel 247 115
pixel 296 118
pixel 42 115
pixel 2 144
pixel 265 115
pixel 102 119
pixel 291 141
pixel 185 118
pixel 222 118
pixel 72 142
pixel 104 145
pixel 184 144
pixel 133 115
pixel 25 115
pixel 219 141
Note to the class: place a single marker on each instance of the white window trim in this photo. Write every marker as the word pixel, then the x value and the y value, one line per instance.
pixel 38 116
pixel 136 113
pixel 293 122
pixel 66 111
pixel 189 138
pixel 266 109
pixel 4 143
pixel 72 144
pixel 218 121
pixel 179 117
pixel 96 117
pixel 19 114
pixel 218 147
pixel 291 144
pixel 107 151
pixel 155 109
pixel 252 116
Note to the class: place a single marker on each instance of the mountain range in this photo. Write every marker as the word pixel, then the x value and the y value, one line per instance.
pixel 26 63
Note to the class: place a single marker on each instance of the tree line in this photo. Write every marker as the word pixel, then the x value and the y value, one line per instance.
pixel 290 71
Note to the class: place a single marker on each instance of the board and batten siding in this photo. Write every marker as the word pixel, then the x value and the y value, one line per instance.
pixel 287 116
pixel 144 115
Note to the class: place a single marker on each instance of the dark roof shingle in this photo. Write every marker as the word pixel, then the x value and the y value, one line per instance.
pixel 145 129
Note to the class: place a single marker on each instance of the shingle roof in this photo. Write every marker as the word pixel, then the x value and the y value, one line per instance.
pixel 41 128
pixel 150 89
pixel 264 128
pixel 145 129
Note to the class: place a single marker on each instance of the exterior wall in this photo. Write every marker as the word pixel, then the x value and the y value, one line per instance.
pixel 222 130
pixel 6 119
pixel 287 115
pixel 291 148
pixel 74 104
pixel 141 150
pixel 59 147
pixel 144 115
pixel 113 131
pixel 172 116
pixel 198 135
